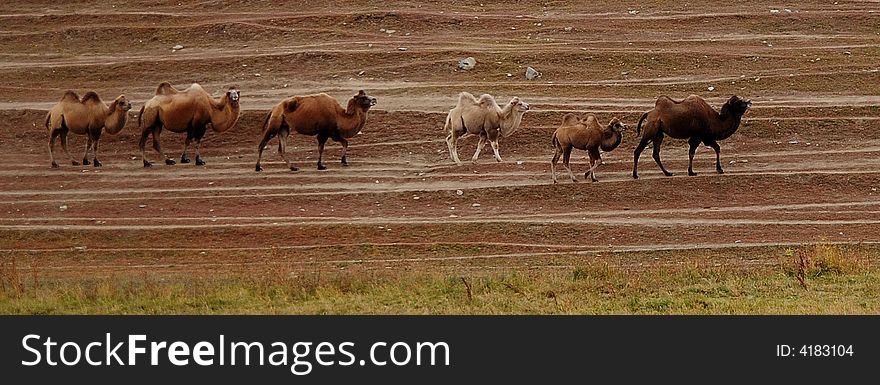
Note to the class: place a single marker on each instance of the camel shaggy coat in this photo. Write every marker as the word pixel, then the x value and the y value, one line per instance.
pixel 584 134
pixel 190 111
pixel 315 115
pixel 482 117
pixel 692 119
pixel 87 116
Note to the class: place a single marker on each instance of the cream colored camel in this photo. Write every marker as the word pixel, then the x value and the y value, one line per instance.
pixel 482 117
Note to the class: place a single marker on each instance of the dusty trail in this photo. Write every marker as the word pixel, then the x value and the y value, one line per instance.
pixel 803 169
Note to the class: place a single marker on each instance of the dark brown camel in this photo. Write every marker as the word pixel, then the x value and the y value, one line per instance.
pixel 316 115
pixel 692 119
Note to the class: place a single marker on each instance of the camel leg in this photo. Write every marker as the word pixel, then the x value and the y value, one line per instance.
pixel 52 137
pixel 595 161
pixel 267 135
pixel 145 133
pixel 712 143
pixel 322 140
pixel 85 161
pixel 450 144
pixel 344 144
pixel 566 156
pixel 637 153
pixel 694 142
pixel 493 140
pixel 282 148
pixel 658 140
pixel 157 132
pixel 189 138
pixel 199 160
pixel 64 147
pixel 95 160
pixel 556 156
pixel 480 144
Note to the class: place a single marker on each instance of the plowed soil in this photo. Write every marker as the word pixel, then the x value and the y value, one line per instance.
pixel 803 168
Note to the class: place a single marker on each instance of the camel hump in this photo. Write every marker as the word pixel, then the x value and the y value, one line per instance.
pixel 70 96
pixel 487 100
pixel 466 98
pixel 291 104
pixel 570 119
pixel 91 97
pixel 165 88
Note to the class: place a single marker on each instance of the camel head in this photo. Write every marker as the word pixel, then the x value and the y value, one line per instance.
pixel 518 105
pixel 122 103
pixel 737 105
pixel 233 94
pixel 364 101
pixel 616 125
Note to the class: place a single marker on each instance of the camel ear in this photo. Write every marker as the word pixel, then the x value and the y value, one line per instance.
pixel 361 93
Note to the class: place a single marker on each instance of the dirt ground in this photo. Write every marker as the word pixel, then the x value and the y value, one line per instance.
pixel 803 168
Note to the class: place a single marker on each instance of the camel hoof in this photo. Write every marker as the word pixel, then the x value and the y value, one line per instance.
pixel 258 168
pixel 97 163
pixel 345 164
pixel 184 160
pixel 170 162
pixel 199 162
pixel 635 176
pixel 691 173
pixel 720 171
pixel 294 168
pixel 54 165
pixel 322 167
pixel 669 174
pixel 85 162
pixel 148 164
pixel 75 163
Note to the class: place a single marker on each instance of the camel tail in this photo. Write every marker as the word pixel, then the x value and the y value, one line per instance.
pixel 141 116
pixel 555 141
pixel 266 121
pixel 639 126
pixel 48 116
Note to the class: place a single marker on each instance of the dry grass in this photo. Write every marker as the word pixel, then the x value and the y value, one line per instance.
pixel 837 280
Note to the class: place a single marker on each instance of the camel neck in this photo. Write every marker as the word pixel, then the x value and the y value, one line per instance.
pixel 352 120
pixel 225 115
pixel 610 139
pixel 116 118
pixel 510 120
pixel 728 123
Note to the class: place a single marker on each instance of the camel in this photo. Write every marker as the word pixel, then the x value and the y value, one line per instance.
pixel 585 134
pixel 692 119
pixel 315 115
pixel 482 117
pixel 87 116
pixel 192 111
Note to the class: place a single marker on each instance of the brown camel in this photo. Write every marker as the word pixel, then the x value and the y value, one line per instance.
pixel 312 115
pixel 482 117
pixel 692 119
pixel 192 111
pixel 585 134
pixel 87 116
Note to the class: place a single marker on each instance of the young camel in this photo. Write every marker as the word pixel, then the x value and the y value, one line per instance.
pixel 192 111
pixel 585 134
pixel 87 116
pixel 316 115
pixel 692 119
pixel 482 117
